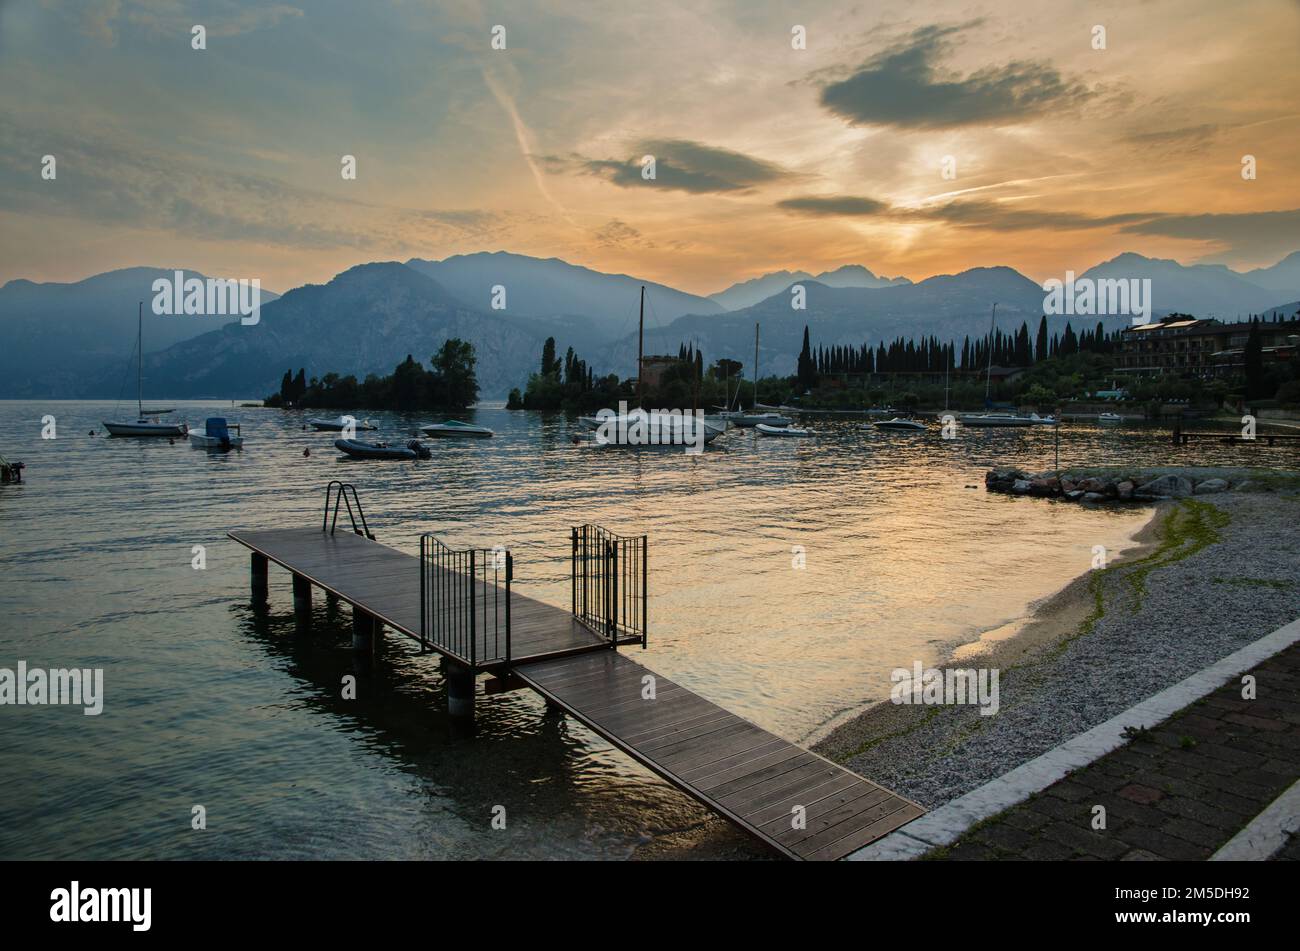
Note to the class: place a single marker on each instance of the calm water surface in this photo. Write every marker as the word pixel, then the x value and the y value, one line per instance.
pixel 206 703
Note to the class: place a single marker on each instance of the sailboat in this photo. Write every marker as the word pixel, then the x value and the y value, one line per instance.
pixel 999 418
pixel 756 418
pixel 640 427
pixel 146 424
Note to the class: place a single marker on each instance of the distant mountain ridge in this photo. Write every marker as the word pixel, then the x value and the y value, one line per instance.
pixel 748 293
pixel 535 287
pixel 74 340
pixel 56 335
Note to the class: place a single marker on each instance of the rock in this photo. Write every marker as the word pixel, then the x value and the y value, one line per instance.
pixel 1048 486
pixel 1067 486
pixel 1093 485
pixel 1211 486
pixel 1074 495
pixel 1125 489
pixel 1164 487
pixel 1020 486
pixel 1094 497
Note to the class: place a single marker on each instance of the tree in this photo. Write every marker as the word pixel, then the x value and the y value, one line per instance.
pixel 1254 360
pixel 549 363
pixel 807 370
pixel 1040 345
pixel 455 383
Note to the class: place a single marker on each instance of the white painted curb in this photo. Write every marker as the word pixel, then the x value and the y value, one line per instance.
pixel 1267 832
pixel 950 821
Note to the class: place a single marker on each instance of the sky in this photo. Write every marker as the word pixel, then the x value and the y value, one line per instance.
pixel 915 138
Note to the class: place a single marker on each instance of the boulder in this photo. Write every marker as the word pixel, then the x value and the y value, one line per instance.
pixel 1211 486
pixel 1048 486
pixel 1067 485
pixel 1074 495
pixel 1165 487
pixel 1093 485
pixel 1093 497
pixel 1125 489
pixel 1020 486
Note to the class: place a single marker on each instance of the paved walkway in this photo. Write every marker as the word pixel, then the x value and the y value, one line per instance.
pixel 1179 790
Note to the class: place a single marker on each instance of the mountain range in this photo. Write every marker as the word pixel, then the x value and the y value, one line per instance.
pixel 75 340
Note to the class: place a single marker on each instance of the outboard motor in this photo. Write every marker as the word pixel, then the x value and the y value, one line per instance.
pixel 419 449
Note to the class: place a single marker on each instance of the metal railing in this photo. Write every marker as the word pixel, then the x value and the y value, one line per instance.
pixel 609 583
pixel 347 495
pixel 465 601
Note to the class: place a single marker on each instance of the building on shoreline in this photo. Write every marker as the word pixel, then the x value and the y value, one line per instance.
pixel 1203 347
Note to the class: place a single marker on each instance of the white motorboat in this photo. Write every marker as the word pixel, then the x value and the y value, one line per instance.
pixel 454 428
pixel 651 428
pixel 760 419
pixel 146 423
pixel 339 423
pixel 1042 420
pixel 216 435
pixel 766 430
pixel 1110 418
pixel 898 424
pixel 994 419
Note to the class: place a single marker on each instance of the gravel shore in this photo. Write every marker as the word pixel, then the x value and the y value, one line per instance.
pixel 1215 573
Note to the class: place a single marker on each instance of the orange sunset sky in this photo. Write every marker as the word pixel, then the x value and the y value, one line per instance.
pixel 227 160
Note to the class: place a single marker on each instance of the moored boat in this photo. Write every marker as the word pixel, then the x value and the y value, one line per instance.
pixel 145 422
pixel 413 449
pixel 455 428
pixel 216 435
pixel 898 424
pixel 766 430
pixel 339 423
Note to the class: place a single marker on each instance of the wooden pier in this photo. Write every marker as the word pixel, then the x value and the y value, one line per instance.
pixel 463 606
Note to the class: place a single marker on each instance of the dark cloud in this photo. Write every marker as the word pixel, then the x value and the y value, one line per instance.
pixel 680 165
pixel 1250 235
pixel 834 205
pixel 901 87
pixel 970 213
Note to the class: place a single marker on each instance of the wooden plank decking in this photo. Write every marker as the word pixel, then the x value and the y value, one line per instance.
pixel 748 775
pixel 385 582
pixel 743 772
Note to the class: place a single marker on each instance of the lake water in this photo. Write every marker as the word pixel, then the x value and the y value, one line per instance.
pixel 208 704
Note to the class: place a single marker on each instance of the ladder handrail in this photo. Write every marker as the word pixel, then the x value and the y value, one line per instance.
pixel 342 496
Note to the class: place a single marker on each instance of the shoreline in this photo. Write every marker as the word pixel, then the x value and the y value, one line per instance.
pixel 1048 623
pixel 1108 639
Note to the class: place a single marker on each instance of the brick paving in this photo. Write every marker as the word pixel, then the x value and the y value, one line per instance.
pixel 1179 790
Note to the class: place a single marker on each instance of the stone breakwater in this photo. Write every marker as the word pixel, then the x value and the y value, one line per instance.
pixel 1120 487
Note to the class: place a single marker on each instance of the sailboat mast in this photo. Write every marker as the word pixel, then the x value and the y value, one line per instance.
pixel 988 379
pixel 755 407
pixel 640 349
pixel 139 366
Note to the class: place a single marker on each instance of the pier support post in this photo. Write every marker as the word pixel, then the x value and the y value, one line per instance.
pixel 363 630
pixel 258 571
pixel 331 601
pixel 301 602
pixel 460 690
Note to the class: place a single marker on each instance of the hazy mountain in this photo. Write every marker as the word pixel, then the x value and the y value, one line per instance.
pixel 1282 276
pixel 949 306
pixel 57 335
pixel 748 293
pixel 1205 290
pixel 365 320
pixel 605 305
